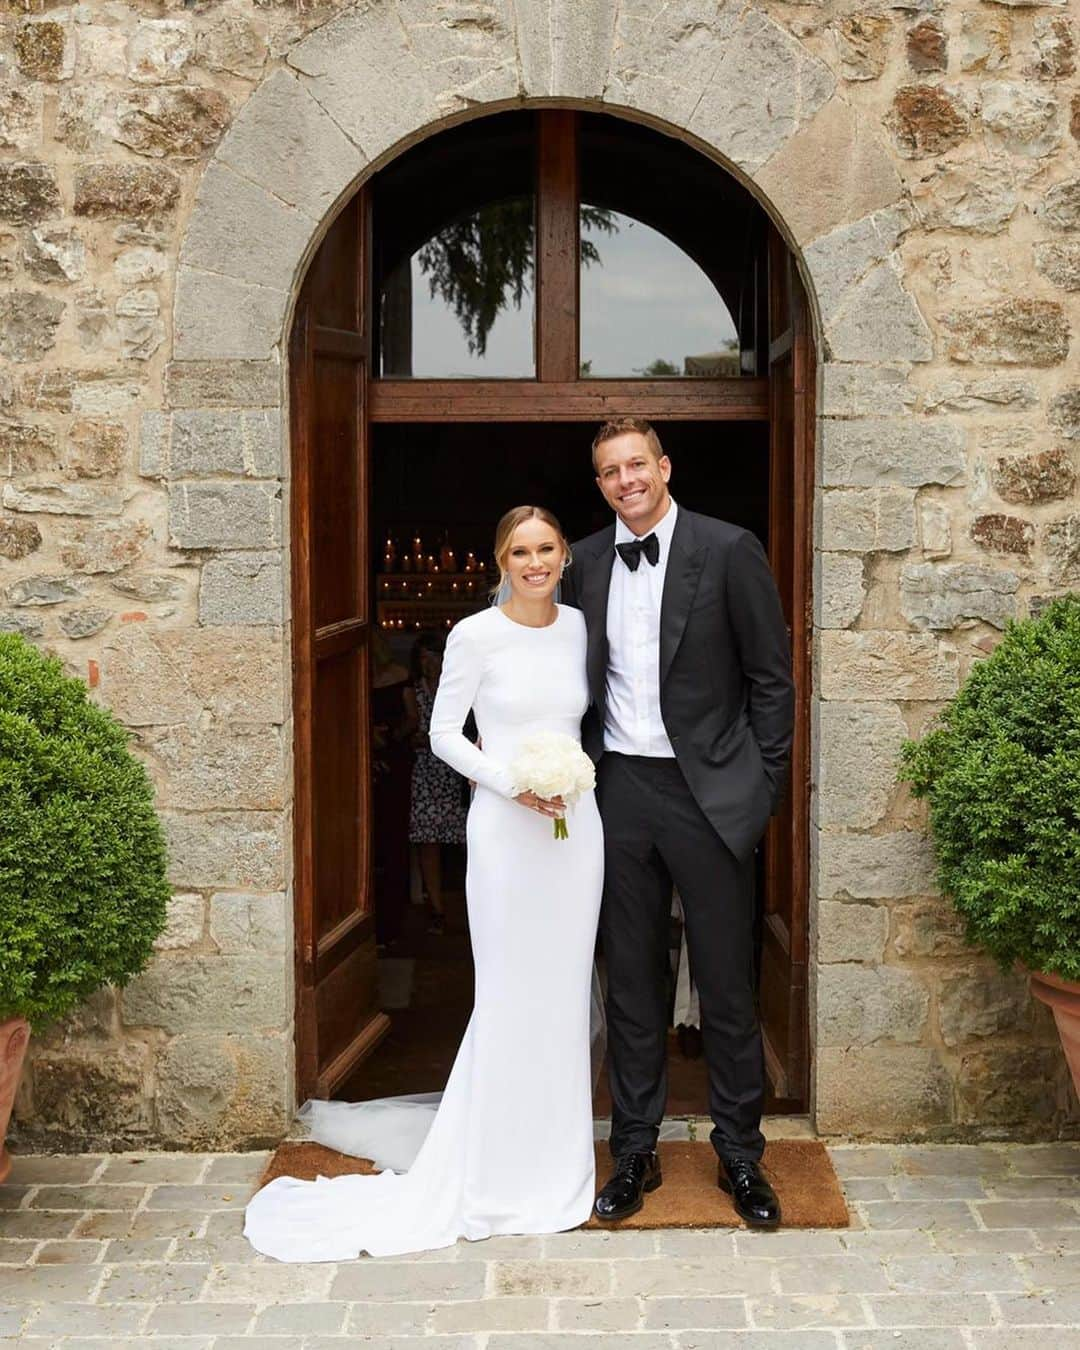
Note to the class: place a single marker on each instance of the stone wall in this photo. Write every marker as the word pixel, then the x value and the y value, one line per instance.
pixel 920 156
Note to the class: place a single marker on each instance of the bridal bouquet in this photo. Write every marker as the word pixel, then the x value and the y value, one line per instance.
pixel 552 764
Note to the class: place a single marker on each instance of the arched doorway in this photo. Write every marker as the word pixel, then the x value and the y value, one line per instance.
pixel 387 413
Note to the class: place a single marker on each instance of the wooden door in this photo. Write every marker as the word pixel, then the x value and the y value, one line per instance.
pixel 783 980
pixel 338 1020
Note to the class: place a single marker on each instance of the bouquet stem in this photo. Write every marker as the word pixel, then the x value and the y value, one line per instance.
pixel 561 831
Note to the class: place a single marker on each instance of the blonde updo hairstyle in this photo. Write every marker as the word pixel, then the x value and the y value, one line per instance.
pixel 504 533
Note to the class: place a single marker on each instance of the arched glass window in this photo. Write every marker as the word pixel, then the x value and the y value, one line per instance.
pixel 461 250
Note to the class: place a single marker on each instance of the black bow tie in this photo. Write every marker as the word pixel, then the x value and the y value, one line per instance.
pixel 631 551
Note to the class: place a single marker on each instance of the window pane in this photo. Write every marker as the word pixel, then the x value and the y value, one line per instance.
pixel 462 304
pixel 453 253
pixel 647 309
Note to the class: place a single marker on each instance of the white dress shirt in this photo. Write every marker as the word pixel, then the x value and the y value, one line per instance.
pixel 632 721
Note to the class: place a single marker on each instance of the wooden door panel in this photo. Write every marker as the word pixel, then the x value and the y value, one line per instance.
pixel 340 796
pixel 337 591
pixel 783 981
pixel 338 1020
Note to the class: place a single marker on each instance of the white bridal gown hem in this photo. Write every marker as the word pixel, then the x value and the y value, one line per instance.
pixel 509 1146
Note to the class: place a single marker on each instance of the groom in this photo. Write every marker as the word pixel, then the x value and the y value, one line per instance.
pixel 690 722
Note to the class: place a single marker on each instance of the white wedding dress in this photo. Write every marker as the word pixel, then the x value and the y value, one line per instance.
pixel 509 1146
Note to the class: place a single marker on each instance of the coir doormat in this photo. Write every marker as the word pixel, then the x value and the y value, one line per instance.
pixel 799 1169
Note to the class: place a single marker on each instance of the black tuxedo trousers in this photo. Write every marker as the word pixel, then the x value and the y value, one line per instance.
pixel 657 836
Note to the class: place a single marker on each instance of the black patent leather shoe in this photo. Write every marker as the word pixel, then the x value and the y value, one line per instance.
pixel 635 1173
pixel 755 1200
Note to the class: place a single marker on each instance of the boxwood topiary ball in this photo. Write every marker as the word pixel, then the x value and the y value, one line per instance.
pixel 1001 773
pixel 83 889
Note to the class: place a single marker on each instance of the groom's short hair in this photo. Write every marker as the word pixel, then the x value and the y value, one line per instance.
pixel 622 426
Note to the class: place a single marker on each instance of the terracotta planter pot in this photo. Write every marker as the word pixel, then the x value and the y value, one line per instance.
pixel 1063 997
pixel 14 1038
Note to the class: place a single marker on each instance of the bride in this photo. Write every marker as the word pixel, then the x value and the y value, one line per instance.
pixel 509 1148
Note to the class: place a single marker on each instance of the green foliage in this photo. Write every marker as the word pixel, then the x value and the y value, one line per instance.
pixel 83 892
pixel 658 368
pixel 1001 773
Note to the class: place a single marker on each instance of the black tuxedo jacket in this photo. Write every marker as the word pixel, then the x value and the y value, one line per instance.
pixel 726 695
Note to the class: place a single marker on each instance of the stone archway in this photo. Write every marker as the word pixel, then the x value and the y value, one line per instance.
pixel 741 89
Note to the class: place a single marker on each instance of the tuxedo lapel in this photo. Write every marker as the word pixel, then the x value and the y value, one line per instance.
pixel 684 566
pixel 595 584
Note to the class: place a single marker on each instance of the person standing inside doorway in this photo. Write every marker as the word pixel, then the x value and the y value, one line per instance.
pixel 690 722
pixel 437 805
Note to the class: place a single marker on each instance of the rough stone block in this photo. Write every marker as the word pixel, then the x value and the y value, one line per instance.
pixel 225 515
pixel 1020 118
pixel 45 590
pixel 842 258
pixel 858 1005
pixel 865 391
pixel 849 932
pixel 881 1091
pixel 875 866
pixel 927 119
pixel 184 924
pixel 83 623
pixel 948 595
pixel 839 590
pixel 472 59
pixel 223 384
pixel 858 753
pixel 1061 205
pixel 268 257
pixel 562 57
pixel 833 171
pixel 228 850
pixel 18 538
pixel 1003 534
pixel 220 318
pixel 935 529
pixel 868 520
pixel 928 928
pixel 219 767
pixel 1012 332
pixel 243 924
pixel 1059 263
pixel 92 1097
pixel 1043 477
pixel 104 545
pixel 122 191
pixel 181 123
pixel 223 1091
pixel 662 57
pixel 348 63
pixel 209 441
pixel 159 50
pixel 28 193
pixel 244 588
pixel 207 993
pixel 28 324
pixel 765 88
pixel 982 1001
pixel 979 197
pixel 874 452
pixel 1011 1085
pixel 169 676
pixel 994 393
pixel 152 587
pixel 878 315
pixel 886 665
pixel 1061 541
pixel 283 140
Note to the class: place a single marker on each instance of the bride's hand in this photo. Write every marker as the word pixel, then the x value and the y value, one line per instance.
pixel 551 807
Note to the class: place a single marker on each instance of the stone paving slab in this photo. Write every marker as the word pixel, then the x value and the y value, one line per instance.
pixel 950 1248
